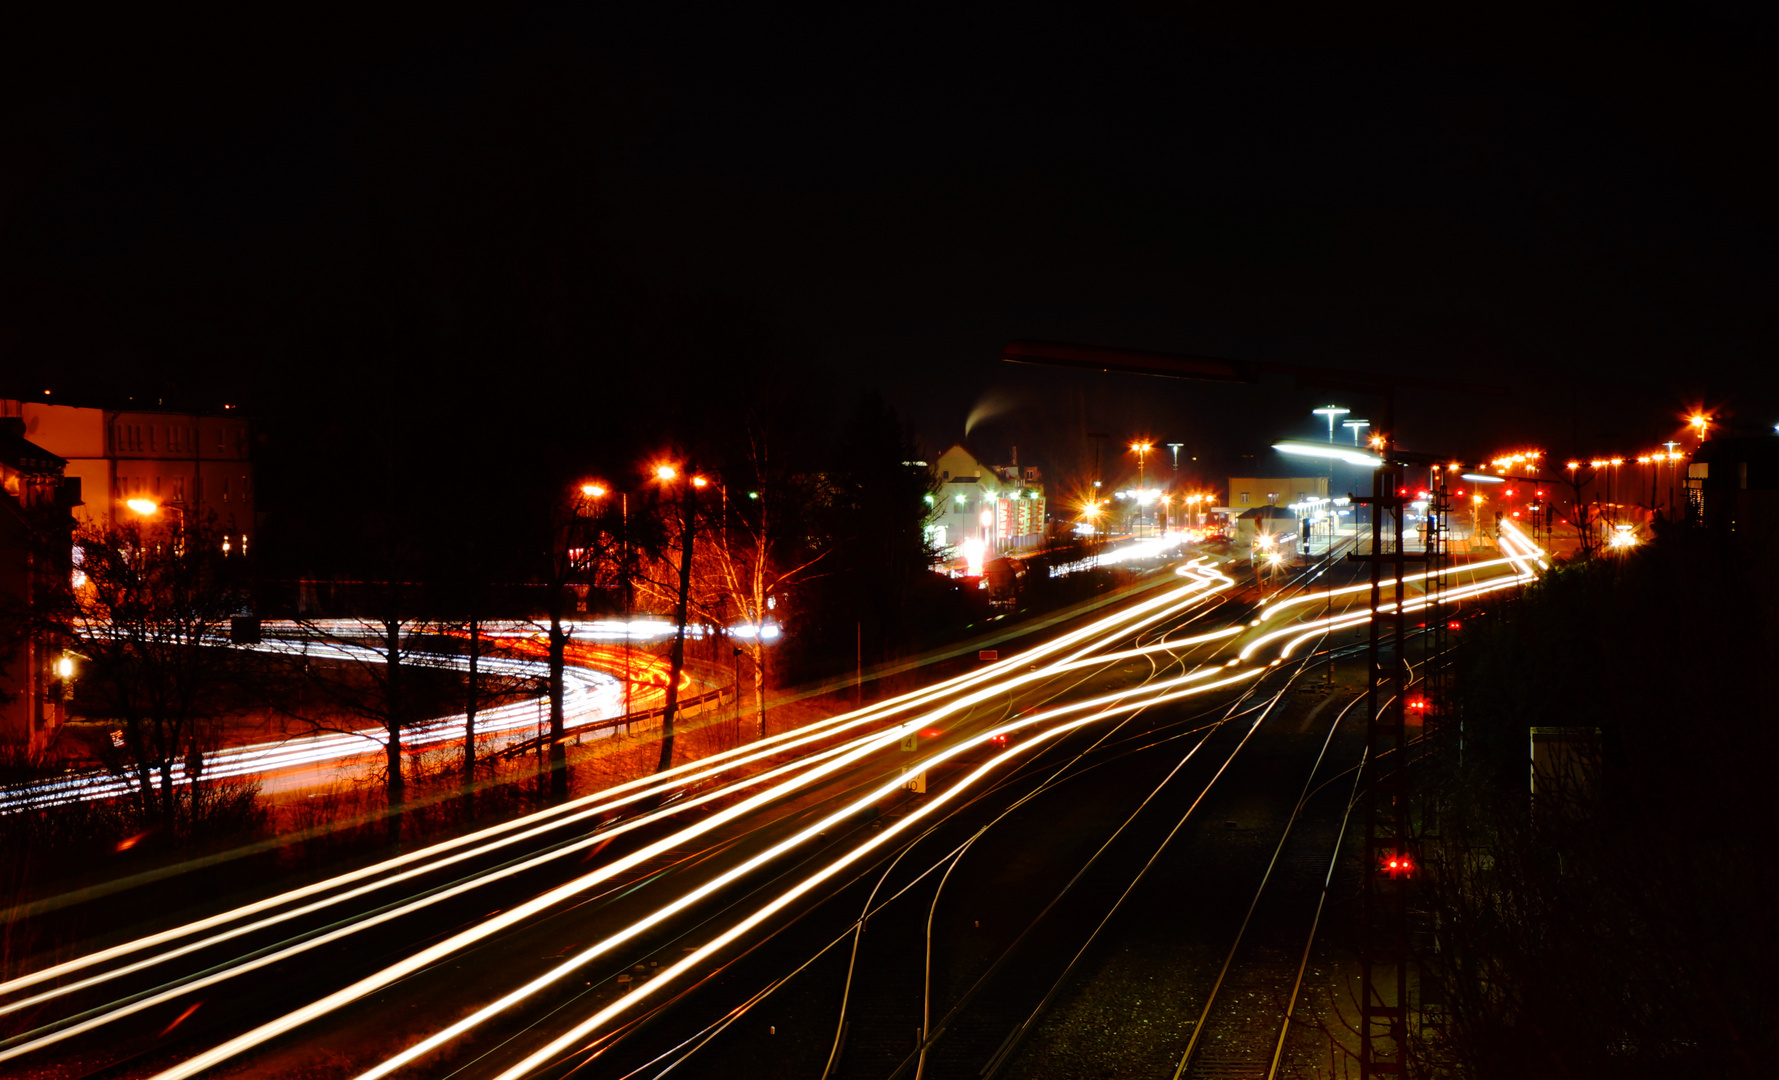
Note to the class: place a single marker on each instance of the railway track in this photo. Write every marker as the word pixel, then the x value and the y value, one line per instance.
pixel 1074 801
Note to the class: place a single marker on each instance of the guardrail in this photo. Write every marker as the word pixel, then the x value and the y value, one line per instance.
pixel 629 723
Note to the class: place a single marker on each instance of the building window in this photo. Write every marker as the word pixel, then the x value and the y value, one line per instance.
pixel 1244 497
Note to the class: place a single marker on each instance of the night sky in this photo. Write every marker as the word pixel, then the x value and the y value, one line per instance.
pixel 1576 206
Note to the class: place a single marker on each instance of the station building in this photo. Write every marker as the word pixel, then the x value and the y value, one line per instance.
pixel 1002 506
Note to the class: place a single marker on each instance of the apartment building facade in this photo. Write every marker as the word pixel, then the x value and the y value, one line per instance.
pixel 192 464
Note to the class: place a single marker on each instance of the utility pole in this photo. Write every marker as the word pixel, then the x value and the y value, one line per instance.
pixel 1390 849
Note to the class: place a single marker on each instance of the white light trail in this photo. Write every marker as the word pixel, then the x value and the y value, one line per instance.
pixel 877 727
pixel 603 802
pixel 1106 705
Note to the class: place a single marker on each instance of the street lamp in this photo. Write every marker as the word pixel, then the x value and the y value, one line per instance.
pixel 1142 449
pixel 1331 411
pixel 1355 426
pixel 148 508
pixel 1701 423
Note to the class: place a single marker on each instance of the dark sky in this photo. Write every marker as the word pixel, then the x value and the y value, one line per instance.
pixel 1576 204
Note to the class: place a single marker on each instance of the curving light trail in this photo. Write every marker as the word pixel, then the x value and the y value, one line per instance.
pixel 589 697
pixel 749 779
pixel 391 872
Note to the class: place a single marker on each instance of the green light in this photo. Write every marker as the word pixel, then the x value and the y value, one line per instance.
pixel 753 494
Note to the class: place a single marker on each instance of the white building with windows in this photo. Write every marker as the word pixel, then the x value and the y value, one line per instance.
pixel 999 507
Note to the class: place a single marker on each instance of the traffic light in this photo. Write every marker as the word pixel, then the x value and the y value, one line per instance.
pixel 1398 865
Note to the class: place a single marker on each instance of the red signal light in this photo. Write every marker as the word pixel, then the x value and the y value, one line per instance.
pixel 1510 491
pixel 1451 626
pixel 1398 865
pixel 1540 494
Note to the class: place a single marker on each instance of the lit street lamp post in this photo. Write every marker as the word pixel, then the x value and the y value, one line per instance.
pixel 1142 449
pixel 1701 424
pixel 1331 411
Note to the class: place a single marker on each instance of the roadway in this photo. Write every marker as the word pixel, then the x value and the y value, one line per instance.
pixel 662 919
pixel 602 684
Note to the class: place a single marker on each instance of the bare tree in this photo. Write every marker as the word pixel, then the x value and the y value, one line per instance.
pixel 664 576
pixel 360 666
pixel 751 565
pixel 577 545
pixel 148 607
pixel 1584 515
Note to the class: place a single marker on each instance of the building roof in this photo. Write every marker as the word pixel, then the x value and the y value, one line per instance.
pixel 1260 513
pixel 1759 457
pixel 20 453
